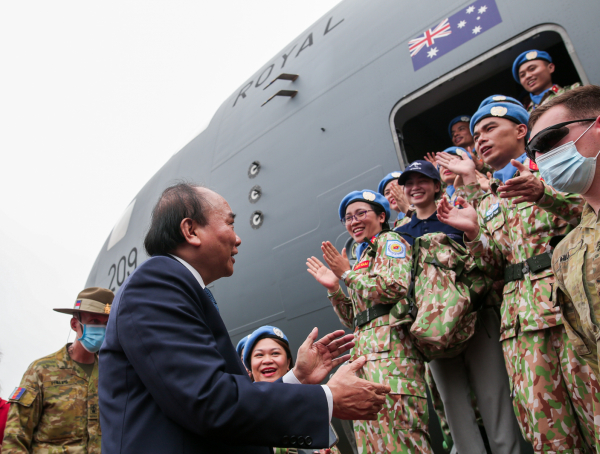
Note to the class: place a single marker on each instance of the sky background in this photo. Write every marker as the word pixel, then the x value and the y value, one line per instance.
pixel 94 98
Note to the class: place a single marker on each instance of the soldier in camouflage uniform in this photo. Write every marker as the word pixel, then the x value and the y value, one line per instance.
pixel 576 260
pixel 377 284
pixel 388 187
pixel 511 240
pixel 55 408
pixel 533 70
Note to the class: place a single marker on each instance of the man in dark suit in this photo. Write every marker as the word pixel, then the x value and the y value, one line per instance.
pixel 170 379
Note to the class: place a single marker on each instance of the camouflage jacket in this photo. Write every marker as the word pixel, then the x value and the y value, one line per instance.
pixel 576 264
pixel 554 91
pixel 511 234
pixel 56 411
pixel 383 279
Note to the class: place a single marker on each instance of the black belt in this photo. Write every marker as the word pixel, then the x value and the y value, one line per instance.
pixel 533 264
pixel 372 313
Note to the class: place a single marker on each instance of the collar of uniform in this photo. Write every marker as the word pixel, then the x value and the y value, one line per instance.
pixel 589 218
pixel 195 273
pixel 64 361
pixel 415 220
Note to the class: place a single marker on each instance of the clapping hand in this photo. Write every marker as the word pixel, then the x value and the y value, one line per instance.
pixel 464 220
pixel 465 168
pixel 322 274
pixel 315 360
pixel 430 157
pixel 526 186
pixel 338 263
pixel 398 195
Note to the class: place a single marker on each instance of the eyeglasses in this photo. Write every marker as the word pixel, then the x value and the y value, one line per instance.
pixel 546 140
pixel 358 216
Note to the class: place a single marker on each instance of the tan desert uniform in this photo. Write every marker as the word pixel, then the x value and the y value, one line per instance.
pixel 55 408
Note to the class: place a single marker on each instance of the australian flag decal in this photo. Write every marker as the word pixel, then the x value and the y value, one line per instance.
pixel 451 32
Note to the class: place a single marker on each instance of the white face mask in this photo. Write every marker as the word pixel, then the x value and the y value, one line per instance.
pixel 566 170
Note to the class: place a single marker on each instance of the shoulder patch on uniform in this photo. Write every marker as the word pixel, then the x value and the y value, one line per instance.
pixel 23 396
pixel 395 249
pixel 361 265
pixel 17 394
pixel 493 211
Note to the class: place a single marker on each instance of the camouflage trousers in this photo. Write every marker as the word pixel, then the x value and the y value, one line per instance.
pixel 552 398
pixel 401 428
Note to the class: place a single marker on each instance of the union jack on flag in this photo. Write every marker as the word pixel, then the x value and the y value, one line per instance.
pixel 429 37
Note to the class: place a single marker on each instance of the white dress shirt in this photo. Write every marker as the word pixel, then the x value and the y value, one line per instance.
pixel 289 378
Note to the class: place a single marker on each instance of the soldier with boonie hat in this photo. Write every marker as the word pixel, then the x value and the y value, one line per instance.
pixel 533 69
pixel 59 393
pixel 388 187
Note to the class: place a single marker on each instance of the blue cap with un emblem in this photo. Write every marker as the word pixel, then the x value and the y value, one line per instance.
pixel 526 56
pixel 507 110
pixel 263 332
pixel 423 167
pixel 241 344
pixel 499 98
pixel 368 196
pixel 465 118
pixel 389 177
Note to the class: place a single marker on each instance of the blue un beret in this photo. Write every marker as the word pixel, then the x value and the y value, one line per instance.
pixel 465 118
pixel 499 98
pixel 368 196
pixel 423 167
pixel 529 55
pixel 241 344
pixel 506 110
pixel 261 333
pixel 389 177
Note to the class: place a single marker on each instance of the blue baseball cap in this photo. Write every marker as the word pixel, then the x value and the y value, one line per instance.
pixel 421 166
pixel 241 344
pixel 264 332
pixel 368 196
pixel 389 177
pixel 526 56
pixel 507 110
pixel 465 118
pixel 499 98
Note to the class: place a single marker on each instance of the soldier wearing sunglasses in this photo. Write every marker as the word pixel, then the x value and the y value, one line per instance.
pixel 511 236
pixel 565 143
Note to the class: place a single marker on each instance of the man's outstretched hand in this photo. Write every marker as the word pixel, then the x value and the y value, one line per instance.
pixel 353 397
pixel 315 360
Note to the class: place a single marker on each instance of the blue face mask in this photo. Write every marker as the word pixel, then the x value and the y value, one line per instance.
pixel 566 170
pixel 92 337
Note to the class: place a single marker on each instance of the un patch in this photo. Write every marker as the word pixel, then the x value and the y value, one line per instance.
pixel 492 212
pixel 395 249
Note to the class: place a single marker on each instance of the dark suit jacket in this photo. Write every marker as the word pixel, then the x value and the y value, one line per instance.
pixel 171 381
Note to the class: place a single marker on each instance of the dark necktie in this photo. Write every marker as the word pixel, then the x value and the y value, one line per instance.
pixel 211 297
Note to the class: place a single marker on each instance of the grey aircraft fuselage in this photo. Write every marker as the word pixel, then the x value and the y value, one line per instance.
pixel 284 166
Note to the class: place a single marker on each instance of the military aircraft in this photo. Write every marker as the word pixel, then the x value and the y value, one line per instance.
pixel 365 90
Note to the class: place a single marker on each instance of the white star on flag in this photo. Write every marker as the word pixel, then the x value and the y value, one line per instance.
pixel 470 9
pixel 476 30
pixel 482 10
pixel 462 23
pixel 432 52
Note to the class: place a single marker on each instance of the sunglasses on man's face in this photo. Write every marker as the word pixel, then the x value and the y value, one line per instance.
pixel 546 140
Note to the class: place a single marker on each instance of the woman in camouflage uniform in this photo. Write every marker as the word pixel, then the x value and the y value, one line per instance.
pixel 377 288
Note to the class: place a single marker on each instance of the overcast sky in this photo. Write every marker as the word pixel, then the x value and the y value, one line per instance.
pixel 94 98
